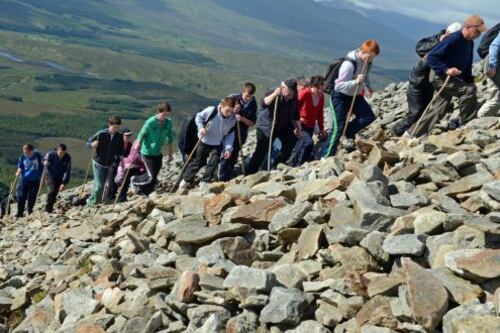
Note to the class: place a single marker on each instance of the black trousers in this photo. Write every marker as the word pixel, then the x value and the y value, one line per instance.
pixel 288 140
pixel 226 166
pixel 53 190
pixel 26 191
pixel 418 99
pixel 203 152
pixel 153 166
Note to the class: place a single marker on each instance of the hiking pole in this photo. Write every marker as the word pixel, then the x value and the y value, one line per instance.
pixel 188 160
pixel 42 179
pixel 448 77
pixel 277 100
pixel 118 194
pixel 7 205
pixel 88 170
pixel 238 129
pixel 356 92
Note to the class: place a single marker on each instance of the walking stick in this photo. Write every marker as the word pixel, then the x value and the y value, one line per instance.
pixel 88 170
pixel 188 160
pixel 44 174
pixel 238 129
pixel 271 133
pixel 356 92
pixel 118 194
pixel 430 104
pixel 7 205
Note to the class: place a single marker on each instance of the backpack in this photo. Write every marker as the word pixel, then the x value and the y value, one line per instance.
pixel 484 47
pixel 188 134
pixel 332 73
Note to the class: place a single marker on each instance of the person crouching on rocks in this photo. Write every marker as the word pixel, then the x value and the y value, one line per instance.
pixel 350 76
pixel 215 136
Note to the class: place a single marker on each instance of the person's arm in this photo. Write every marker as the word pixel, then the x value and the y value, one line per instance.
pixel 321 119
pixel 20 166
pixel 93 140
pixel 435 58
pixel 39 158
pixel 270 98
pixel 170 139
pixel 494 50
pixel 228 144
pixel 67 173
pixel 143 133
pixel 345 83
pixel 201 118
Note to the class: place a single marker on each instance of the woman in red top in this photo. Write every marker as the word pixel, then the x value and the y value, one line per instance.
pixel 311 104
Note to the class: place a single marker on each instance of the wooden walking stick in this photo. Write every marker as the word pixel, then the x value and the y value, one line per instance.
pixel 88 170
pixel 277 100
pixel 356 92
pixel 42 180
pixel 7 205
pixel 118 194
pixel 188 160
pixel 417 125
pixel 238 129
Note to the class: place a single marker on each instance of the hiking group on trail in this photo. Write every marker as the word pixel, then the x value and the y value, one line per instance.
pixel 290 116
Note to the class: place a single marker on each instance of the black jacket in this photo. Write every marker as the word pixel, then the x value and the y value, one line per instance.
pixel 58 170
pixel 286 114
pixel 109 150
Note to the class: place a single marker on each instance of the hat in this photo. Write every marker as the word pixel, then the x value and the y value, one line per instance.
pixel 454 27
pixel 126 131
pixel 475 21
pixel 291 84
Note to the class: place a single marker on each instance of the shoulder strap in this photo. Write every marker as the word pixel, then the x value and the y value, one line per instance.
pixel 354 63
pixel 212 115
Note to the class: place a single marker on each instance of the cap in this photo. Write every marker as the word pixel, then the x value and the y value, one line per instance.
pixel 476 21
pixel 126 131
pixel 454 27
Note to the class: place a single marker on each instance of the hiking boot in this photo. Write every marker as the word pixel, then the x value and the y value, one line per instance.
pixel 349 145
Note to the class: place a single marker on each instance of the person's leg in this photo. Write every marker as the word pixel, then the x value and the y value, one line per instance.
pixel 288 141
pixel 364 117
pixel 226 166
pixel 340 106
pixel 199 161
pixel 52 191
pixel 122 196
pixel 112 186
pixel 417 99
pixel 32 193
pixel 491 108
pixel 260 153
pixel 213 161
pixel 467 100
pixel 22 196
pixel 99 182
pixel 436 111
pixel 303 148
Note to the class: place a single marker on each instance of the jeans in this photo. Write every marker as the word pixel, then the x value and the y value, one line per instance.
pixel 100 177
pixel 203 152
pixel 303 149
pixel 467 100
pixel 288 140
pixel 340 104
pixel 26 191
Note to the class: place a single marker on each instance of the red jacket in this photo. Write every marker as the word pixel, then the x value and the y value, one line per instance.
pixel 310 114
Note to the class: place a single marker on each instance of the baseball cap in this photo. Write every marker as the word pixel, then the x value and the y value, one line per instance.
pixel 126 131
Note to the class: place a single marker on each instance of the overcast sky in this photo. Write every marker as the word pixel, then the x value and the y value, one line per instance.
pixel 439 11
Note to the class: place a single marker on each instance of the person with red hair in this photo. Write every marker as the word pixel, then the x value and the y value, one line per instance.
pixel 350 76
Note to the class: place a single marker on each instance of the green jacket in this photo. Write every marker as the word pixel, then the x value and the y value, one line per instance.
pixel 152 136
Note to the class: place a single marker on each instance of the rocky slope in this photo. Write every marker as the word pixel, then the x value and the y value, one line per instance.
pixel 400 236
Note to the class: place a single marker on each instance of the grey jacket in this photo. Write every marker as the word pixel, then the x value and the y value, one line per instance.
pixel 220 131
pixel 346 82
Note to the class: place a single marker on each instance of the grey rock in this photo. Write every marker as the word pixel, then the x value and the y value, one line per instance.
pixel 310 241
pixel 250 278
pixel 404 245
pixel 346 235
pixel 373 242
pixel 309 326
pixel 289 216
pixel 465 311
pixel 200 236
pixel 286 306
pixel 429 223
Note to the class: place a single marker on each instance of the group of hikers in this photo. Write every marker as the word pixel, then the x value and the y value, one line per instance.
pixel 289 118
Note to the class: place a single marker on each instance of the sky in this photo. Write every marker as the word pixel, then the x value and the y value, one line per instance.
pixel 438 11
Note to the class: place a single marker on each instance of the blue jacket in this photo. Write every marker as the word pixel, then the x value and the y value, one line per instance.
pixel 57 169
pixel 494 51
pixel 31 168
pixel 453 51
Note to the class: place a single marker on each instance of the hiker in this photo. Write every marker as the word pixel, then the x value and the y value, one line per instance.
pixel 311 104
pixel 216 135
pixel 246 115
pixel 287 124
pixel 453 57
pixel 58 164
pixel 155 132
pixel 127 146
pixel 491 107
pixel 29 171
pixel 4 199
pixel 420 90
pixel 131 166
pixel 349 77
pixel 109 147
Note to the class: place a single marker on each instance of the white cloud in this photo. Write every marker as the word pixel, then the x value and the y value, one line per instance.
pixel 439 11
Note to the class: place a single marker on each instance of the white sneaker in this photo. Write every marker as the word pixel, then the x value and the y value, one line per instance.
pixel 406 134
pixel 182 184
pixel 203 186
